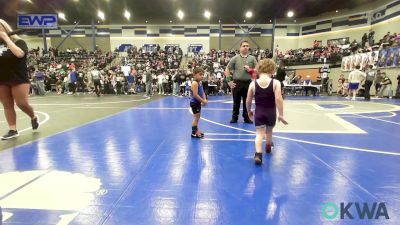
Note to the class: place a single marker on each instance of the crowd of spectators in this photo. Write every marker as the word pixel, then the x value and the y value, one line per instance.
pixel 335 50
pixel 70 71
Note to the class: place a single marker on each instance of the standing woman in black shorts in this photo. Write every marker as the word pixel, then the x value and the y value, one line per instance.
pixel 14 81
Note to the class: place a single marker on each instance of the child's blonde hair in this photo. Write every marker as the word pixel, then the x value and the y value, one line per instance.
pixel 266 66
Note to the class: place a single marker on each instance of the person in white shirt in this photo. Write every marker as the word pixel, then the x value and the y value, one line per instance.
pixel 355 77
pixel 165 86
pixel 96 77
pixel 160 78
pixel 308 82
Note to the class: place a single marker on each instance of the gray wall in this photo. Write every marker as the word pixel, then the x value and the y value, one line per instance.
pixel 233 42
pixel 86 42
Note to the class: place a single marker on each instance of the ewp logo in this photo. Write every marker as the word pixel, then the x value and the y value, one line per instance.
pixel 36 21
pixel 331 210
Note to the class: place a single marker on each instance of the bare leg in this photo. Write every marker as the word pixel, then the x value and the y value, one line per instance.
pixel 268 135
pixel 196 118
pixel 195 131
pixel 20 94
pixel 259 138
pixel 7 100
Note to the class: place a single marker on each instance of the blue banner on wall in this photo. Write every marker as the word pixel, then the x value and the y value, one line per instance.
pixel 382 57
pixel 196 48
pixel 150 47
pixel 396 57
pixel 389 57
pixel 124 47
pixel 37 21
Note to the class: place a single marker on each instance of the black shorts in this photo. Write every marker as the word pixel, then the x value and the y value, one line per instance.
pixel 196 107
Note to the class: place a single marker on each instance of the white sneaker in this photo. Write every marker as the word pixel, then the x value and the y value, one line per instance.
pixel 353 99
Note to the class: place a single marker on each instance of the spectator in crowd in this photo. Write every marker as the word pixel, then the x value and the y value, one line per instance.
pixel 72 78
pixel 355 78
pixel 370 76
pixel 354 46
pixel 371 37
pixel 175 83
pixel 205 81
pixel 296 79
pixel 165 80
pixel 398 87
pixel 346 88
pixel 340 85
pixel 59 85
pixel 315 44
pixel 308 82
pixel 341 79
pixel 96 77
pixel 39 79
pixel 364 40
pixel 378 80
pixel 148 83
pixel 160 79
pixel 281 75
pixel 131 83
pixel 187 85
pixel 386 84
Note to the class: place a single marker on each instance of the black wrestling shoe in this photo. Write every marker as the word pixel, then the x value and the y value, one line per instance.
pixel 258 158
pixel 248 120
pixel 35 123
pixel 233 120
pixel 10 134
pixel 268 149
pixel 197 134
pixel 201 133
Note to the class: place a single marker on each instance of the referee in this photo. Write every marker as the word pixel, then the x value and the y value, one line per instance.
pixel 239 79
